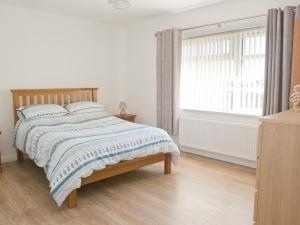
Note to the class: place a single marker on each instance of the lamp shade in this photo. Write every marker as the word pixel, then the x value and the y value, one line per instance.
pixel 123 105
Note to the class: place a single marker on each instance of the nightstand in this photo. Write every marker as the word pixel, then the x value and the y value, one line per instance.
pixel 128 117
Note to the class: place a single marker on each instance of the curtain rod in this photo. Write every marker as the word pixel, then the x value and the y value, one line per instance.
pixel 225 32
pixel 227 21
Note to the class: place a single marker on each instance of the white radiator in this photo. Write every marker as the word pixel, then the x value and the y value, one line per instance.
pixel 232 136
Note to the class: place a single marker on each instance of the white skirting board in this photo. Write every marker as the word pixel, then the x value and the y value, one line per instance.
pixel 225 158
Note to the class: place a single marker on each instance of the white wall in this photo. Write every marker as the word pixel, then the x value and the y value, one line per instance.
pixel 41 50
pixel 140 77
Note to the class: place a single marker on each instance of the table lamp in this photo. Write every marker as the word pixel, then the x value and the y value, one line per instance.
pixel 123 107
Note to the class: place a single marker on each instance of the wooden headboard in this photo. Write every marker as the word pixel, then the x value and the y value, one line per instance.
pixel 61 96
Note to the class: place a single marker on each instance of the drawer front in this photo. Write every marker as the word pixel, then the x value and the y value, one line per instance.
pixel 278 175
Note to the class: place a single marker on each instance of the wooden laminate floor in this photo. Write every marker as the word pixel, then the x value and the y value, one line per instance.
pixel 200 191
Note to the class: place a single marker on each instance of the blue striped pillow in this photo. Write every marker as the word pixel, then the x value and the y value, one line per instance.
pixel 85 107
pixel 44 110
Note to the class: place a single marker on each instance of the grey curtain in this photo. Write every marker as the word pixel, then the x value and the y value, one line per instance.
pixel 168 60
pixel 279 54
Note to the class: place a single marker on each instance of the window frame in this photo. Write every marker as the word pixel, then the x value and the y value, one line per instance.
pixel 238 70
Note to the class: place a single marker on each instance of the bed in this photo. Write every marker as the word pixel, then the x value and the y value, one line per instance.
pixel 76 150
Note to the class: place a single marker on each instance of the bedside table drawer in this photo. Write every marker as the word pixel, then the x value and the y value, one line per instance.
pixel 130 120
pixel 127 117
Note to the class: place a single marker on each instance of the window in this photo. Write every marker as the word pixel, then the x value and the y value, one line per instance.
pixel 224 72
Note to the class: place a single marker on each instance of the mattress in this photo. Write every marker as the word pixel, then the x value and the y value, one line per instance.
pixel 71 147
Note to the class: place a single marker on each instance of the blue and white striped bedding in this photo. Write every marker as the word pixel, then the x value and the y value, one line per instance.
pixel 71 147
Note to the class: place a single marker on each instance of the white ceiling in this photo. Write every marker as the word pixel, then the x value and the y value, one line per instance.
pixel 99 9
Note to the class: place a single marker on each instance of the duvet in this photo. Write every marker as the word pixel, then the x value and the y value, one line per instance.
pixel 71 147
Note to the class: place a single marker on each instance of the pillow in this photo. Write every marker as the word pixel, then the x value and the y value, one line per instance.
pixel 37 111
pixel 20 115
pixel 85 107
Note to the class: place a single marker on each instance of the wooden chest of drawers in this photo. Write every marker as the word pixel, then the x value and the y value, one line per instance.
pixel 277 200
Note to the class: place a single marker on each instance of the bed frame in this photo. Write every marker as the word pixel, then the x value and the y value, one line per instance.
pixel 23 97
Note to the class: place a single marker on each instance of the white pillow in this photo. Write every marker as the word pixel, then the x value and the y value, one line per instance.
pixel 85 107
pixel 37 111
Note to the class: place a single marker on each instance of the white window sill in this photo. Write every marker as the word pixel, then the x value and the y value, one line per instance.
pixel 196 111
pixel 219 116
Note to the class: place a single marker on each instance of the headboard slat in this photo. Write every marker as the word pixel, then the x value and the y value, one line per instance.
pixel 24 97
pixel 24 101
pixel 38 99
pixel 31 99
pixel 50 99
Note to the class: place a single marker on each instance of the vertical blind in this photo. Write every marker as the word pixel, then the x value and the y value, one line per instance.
pixel 224 72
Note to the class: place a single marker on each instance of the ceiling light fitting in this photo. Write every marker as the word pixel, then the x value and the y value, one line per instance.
pixel 119 4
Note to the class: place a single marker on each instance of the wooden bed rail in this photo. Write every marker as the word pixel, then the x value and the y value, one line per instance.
pixel 122 167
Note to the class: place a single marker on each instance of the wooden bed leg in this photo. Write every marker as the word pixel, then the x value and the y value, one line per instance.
pixel 167 163
pixel 20 155
pixel 72 199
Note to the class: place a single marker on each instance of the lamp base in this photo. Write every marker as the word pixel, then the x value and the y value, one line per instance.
pixel 123 112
